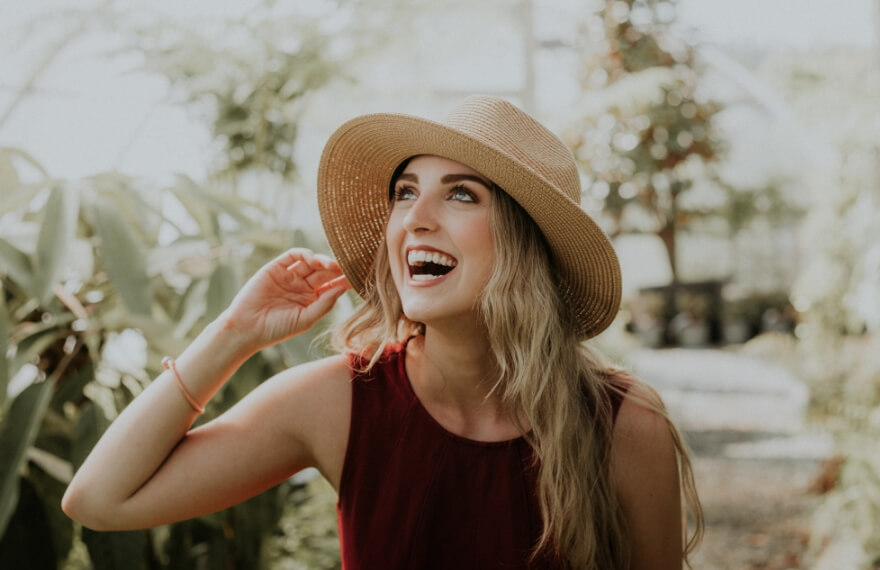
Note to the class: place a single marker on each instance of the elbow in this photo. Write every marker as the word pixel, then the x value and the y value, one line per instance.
pixel 81 510
pixel 72 505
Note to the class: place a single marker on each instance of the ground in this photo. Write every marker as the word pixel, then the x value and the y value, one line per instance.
pixel 756 459
pixel 757 511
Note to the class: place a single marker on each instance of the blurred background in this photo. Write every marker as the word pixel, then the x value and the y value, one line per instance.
pixel 153 155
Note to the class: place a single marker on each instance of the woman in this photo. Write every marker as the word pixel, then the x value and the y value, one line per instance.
pixel 464 423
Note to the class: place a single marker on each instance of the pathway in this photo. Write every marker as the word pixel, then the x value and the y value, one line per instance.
pixel 755 456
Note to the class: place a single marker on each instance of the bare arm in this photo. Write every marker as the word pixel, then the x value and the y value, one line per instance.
pixel 148 470
pixel 645 471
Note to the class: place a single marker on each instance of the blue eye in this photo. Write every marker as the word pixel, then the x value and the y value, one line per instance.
pixel 403 193
pixel 462 194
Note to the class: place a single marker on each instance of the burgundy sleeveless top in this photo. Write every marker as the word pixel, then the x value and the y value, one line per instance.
pixel 414 495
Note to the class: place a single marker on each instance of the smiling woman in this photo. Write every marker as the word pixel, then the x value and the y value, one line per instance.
pixel 465 421
pixel 440 246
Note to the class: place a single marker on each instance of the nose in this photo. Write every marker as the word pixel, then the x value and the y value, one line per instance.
pixel 421 216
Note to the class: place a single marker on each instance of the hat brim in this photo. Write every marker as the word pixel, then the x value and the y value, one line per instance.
pixel 353 179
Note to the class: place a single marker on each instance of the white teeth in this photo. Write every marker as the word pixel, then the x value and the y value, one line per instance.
pixel 420 255
pixel 425 277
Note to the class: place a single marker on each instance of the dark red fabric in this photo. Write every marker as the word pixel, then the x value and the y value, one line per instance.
pixel 413 495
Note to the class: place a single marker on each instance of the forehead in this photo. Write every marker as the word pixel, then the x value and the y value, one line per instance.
pixel 426 162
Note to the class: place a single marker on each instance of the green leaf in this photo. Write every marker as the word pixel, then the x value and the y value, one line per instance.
pixel 8 173
pixel 12 151
pixel 124 259
pixel 34 344
pixel 20 429
pixel 229 204
pixel 197 208
pixel 221 290
pixel 71 384
pixel 191 307
pixel 115 550
pixel 56 233
pixel 15 264
pixel 199 543
pixel 29 541
pixel 50 491
pixel 5 329
pixel 23 194
pixel 248 376
pixel 92 423
pixel 254 520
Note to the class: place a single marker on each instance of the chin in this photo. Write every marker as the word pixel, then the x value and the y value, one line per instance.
pixel 419 314
pixel 438 317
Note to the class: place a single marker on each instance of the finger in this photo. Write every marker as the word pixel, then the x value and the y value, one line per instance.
pixel 340 281
pixel 325 301
pixel 291 256
pixel 323 274
pixel 301 268
pixel 308 267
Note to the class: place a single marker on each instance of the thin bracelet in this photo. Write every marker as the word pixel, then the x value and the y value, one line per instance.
pixel 169 364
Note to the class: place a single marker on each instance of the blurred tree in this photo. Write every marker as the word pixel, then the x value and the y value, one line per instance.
pixel 247 78
pixel 834 94
pixel 646 141
pixel 647 135
pixel 649 147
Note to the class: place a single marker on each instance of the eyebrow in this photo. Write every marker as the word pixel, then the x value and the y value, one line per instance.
pixel 449 178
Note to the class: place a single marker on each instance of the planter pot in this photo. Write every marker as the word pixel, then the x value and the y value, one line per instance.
pixel 694 335
pixel 651 337
pixel 735 331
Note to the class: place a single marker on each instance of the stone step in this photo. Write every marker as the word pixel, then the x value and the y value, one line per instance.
pixel 709 389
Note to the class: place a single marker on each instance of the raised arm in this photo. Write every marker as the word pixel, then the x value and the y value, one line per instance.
pixel 149 469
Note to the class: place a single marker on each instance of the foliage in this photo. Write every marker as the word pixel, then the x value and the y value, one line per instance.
pixel 102 277
pixel 648 141
pixel 89 308
pixel 647 134
pixel 836 293
pixel 308 539
pixel 249 78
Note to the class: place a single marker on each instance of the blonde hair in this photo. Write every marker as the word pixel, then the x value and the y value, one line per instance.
pixel 559 385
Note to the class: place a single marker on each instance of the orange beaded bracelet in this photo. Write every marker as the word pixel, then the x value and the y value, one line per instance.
pixel 169 364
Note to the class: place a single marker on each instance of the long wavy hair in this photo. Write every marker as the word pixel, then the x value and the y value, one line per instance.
pixel 549 378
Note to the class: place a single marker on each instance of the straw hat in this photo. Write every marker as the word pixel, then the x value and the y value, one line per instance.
pixel 496 139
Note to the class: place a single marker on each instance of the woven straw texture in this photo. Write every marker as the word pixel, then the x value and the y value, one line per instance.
pixel 503 143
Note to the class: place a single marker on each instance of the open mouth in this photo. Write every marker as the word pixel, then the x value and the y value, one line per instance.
pixel 427 265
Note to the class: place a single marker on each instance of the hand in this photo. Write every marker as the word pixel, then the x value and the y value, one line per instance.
pixel 285 297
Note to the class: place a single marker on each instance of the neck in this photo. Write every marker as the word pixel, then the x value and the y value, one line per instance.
pixel 453 375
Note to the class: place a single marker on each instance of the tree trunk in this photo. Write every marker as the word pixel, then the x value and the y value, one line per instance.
pixel 667 235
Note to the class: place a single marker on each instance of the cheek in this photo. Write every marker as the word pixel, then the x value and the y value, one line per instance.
pixel 481 244
pixel 392 246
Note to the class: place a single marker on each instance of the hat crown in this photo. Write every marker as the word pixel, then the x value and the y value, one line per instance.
pixel 510 131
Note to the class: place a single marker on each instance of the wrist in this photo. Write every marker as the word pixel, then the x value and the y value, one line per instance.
pixel 233 338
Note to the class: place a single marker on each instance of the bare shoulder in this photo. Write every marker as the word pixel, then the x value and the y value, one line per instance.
pixel 642 414
pixel 317 384
pixel 308 406
pixel 644 469
pixel 319 377
pixel 642 438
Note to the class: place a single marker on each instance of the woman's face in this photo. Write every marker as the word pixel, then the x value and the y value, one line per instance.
pixel 440 245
